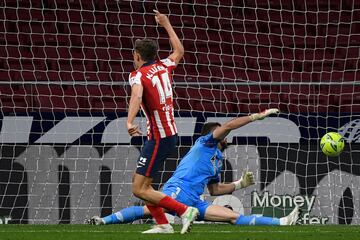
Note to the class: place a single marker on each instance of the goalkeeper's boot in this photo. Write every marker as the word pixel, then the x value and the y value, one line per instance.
pixel 160 228
pixel 187 218
pixel 95 220
pixel 292 218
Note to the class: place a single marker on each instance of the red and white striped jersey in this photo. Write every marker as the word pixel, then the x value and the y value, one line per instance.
pixel 157 100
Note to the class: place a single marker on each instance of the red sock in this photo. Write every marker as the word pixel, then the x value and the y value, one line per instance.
pixel 158 214
pixel 172 205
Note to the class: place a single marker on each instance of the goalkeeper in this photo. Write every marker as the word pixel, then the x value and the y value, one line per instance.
pixel 201 167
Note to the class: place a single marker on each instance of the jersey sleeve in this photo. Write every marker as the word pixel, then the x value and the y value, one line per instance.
pixel 168 63
pixel 135 78
pixel 209 140
pixel 214 180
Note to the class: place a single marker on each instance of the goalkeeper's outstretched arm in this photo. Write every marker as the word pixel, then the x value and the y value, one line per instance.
pixel 221 132
pixel 178 48
pixel 216 189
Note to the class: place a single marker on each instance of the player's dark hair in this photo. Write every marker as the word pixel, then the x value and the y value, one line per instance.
pixel 209 127
pixel 147 48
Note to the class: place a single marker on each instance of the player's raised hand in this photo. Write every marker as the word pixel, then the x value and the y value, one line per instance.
pixel 161 19
pixel 133 130
pixel 247 179
pixel 263 114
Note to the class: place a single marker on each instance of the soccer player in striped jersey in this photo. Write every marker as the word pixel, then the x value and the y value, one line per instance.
pixel 201 168
pixel 151 89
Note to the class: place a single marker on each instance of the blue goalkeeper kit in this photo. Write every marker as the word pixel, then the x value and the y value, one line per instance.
pixel 200 166
pixel 126 215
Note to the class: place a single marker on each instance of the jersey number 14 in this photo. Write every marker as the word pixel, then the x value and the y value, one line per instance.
pixel 164 90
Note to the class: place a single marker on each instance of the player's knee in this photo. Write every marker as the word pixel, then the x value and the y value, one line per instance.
pixel 233 218
pixel 137 191
pixel 140 191
pixel 233 221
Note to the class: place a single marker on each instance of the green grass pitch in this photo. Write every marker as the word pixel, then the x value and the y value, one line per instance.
pixel 205 231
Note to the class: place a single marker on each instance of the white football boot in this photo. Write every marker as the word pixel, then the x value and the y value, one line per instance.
pixel 187 218
pixel 291 218
pixel 95 220
pixel 160 228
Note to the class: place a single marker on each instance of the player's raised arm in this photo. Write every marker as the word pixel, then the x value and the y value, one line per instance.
pixel 178 48
pixel 222 131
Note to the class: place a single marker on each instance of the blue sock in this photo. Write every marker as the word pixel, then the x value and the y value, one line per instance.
pixel 257 220
pixel 125 215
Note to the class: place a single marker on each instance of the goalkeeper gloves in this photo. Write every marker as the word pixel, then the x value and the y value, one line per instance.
pixel 246 180
pixel 263 114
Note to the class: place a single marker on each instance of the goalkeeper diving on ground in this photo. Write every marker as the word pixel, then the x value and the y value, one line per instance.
pixel 201 168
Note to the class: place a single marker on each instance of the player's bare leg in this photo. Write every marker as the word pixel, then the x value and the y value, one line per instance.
pixel 142 189
pixel 220 214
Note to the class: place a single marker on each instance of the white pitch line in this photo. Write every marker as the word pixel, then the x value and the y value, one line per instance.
pixel 193 231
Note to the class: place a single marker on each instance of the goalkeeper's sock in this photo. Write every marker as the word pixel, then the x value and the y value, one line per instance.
pixel 158 214
pixel 256 220
pixel 125 215
pixel 172 205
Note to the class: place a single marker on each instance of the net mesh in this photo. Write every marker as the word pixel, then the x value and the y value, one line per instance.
pixel 64 67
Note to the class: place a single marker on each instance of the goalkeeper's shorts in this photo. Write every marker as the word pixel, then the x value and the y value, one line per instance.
pixel 180 196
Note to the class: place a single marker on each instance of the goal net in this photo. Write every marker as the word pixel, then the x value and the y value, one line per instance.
pixel 65 152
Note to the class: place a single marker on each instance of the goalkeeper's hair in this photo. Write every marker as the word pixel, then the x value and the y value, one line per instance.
pixel 147 48
pixel 209 127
